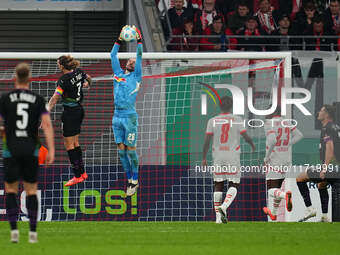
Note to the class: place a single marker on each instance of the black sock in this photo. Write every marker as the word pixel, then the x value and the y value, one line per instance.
pixel 12 210
pixel 304 191
pixel 73 156
pixel 324 197
pixel 80 158
pixel 32 209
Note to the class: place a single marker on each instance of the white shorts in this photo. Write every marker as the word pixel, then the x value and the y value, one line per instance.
pixel 276 172
pixel 227 171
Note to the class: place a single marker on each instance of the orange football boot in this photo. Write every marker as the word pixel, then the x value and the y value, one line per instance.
pixel 84 175
pixel 74 181
pixel 267 211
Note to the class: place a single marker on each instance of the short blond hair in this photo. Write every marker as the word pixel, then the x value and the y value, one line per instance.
pixel 23 73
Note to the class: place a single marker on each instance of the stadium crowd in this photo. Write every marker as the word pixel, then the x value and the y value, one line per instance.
pixel 251 25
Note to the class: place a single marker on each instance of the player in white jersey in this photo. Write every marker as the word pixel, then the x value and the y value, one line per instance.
pixel 225 130
pixel 279 139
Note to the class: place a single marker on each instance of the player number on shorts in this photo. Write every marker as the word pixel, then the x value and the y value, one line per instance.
pixel 22 112
pixel 224 133
pixel 131 137
pixel 79 88
pixel 279 138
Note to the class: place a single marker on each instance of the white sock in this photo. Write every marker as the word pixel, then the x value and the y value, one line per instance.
pixel 325 215
pixel 277 193
pixel 230 196
pixel 276 204
pixel 130 181
pixel 134 182
pixel 217 202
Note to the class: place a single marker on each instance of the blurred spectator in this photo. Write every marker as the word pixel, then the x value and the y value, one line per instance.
pixel 274 3
pixel 267 17
pixel 332 17
pixel 215 39
pixel 321 5
pixel 205 17
pixel 177 14
pixel 252 40
pixel 226 7
pixel 320 43
pixel 196 4
pixel 283 42
pixel 291 7
pixel 164 5
pixel 304 18
pixel 184 42
pixel 239 18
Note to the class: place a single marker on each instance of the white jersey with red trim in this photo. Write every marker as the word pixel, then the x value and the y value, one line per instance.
pixel 226 129
pixel 280 155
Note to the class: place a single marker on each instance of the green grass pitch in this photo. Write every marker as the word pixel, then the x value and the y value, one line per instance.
pixel 175 238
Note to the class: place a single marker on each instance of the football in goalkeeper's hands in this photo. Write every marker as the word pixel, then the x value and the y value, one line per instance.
pixel 128 34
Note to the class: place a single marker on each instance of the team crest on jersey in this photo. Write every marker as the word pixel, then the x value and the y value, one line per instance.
pixel 118 79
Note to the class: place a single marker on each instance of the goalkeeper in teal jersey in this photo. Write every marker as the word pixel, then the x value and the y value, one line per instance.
pixel 125 119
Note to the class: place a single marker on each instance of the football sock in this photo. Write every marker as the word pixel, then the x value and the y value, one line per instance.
pixel 217 200
pixel 32 209
pixel 132 155
pixel 124 159
pixel 80 158
pixel 276 193
pixel 12 210
pixel 276 204
pixel 230 196
pixel 304 191
pixel 324 197
pixel 73 156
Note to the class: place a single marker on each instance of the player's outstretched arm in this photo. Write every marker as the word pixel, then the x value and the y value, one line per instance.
pixel 49 135
pixel 248 140
pixel 114 55
pixel 296 136
pixel 139 53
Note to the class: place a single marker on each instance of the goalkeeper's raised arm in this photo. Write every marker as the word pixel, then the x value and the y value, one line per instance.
pixel 125 119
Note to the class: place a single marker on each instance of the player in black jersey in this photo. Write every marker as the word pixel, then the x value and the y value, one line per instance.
pixel 70 88
pixel 21 110
pixel 327 173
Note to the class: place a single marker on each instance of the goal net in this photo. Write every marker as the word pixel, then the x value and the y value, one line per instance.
pixel 179 93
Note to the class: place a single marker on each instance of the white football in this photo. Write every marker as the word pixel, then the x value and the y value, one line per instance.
pixel 128 34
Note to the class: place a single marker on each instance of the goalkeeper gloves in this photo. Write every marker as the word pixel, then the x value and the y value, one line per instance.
pixel 120 38
pixel 138 34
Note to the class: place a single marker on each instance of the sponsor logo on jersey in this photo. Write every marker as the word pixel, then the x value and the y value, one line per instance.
pixel 118 79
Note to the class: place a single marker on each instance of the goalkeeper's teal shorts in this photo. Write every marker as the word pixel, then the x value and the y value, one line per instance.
pixel 125 129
